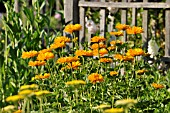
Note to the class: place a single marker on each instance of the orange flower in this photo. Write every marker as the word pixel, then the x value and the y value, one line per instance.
pixel 118 57
pixel 157 86
pixel 97 46
pixel 103 51
pixel 18 111
pixel 118 33
pixel 57 45
pixel 44 51
pixel 135 52
pixel 123 58
pixel 88 53
pixel 122 26
pixel 67 59
pixel 113 73
pixel 98 39
pixel 106 60
pixel 74 65
pixel 111 48
pixel 77 27
pixel 80 52
pixel 46 75
pixel 95 77
pixel 29 54
pixel 134 30
pixel 36 63
pixel 45 56
pixel 116 42
pixel 71 28
pixel 140 72
pixel 128 58
pixel 61 39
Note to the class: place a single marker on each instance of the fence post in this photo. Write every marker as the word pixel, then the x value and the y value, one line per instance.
pixel 167 28
pixel 102 20
pixel 124 20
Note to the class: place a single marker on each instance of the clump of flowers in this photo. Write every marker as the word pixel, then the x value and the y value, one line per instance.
pixel 98 39
pixel 45 56
pixel 67 59
pixel 135 52
pixel 36 63
pixel 95 77
pixel 29 54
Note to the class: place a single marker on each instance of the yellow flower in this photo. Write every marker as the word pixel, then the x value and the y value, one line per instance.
pixel 102 106
pixel 40 93
pixel 125 102
pixel 14 98
pixel 80 52
pixel 114 110
pixel 75 82
pixel 46 75
pixel 111 48
pixel 116 42
pixel 36 63
pixel 8 108
pixel 135 52
pixel 103 51
pixel 128 58
pixel 18 111
pixel 61 39
pixel 122 26
pixel 88 53
pixel 32 86
pixel 71 28
pixel 44 51
pixel 29 54
pixel 26 92
pixel 141 71
pixel 98 39
pixel 113 73
pixel 77 27
pixel 74 65
pixel 97 46
pixel 67 59
pixel 134 30
pixel 118 33
pixel 95 77
pixel 118 57
pixel 106 60
pixel 157 86
pixel 45 56
pixel 57 45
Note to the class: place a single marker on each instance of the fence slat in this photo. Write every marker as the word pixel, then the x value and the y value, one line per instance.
pixel 102 20
pixel 124 20
pixel 82 22
pixel 145 27
pixel 167 28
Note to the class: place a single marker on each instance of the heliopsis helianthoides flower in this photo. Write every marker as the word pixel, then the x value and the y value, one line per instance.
pixel 73 65
pixel 32 86
pixel 40 93
pixel 118 33
pixel 36 63
pixel 103 52
pixel 97 46
pixel 29 54
pixel 71 28
pixel 98 39
pixel 26 92
pixel 8 108
pixel 79 53
pixel 102 106
pixel 118 57
pixel 45 56
pixel 135 52
pixel 44 51
pixel 113 73
pixel 67 59
pixel 111 48
pixel 37 77
pixel 157 86
pixel 140 72
pixel 134 30
pixel 14 98
pixel 122 26
pixel 75 82
pixel 114 110
pixel 57 45
pixel 128 58
pixel 61 39
pixel 116 42
pixel 88 53
pixel 106 60
pixel 125 102
pixel 18 111
pixel 95 77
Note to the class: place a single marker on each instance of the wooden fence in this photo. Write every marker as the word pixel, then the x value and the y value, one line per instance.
pixel 74 11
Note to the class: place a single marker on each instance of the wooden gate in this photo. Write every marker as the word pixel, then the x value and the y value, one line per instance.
pixel 74 11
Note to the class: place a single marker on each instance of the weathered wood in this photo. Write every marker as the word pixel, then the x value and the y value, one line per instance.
pixel 16 6
pixel 167 28
pixel 125 5
pixel 68 11
pixel 134 16
pixel 145 27
pixel 102 20
pixel 82 22
pixel 124 20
